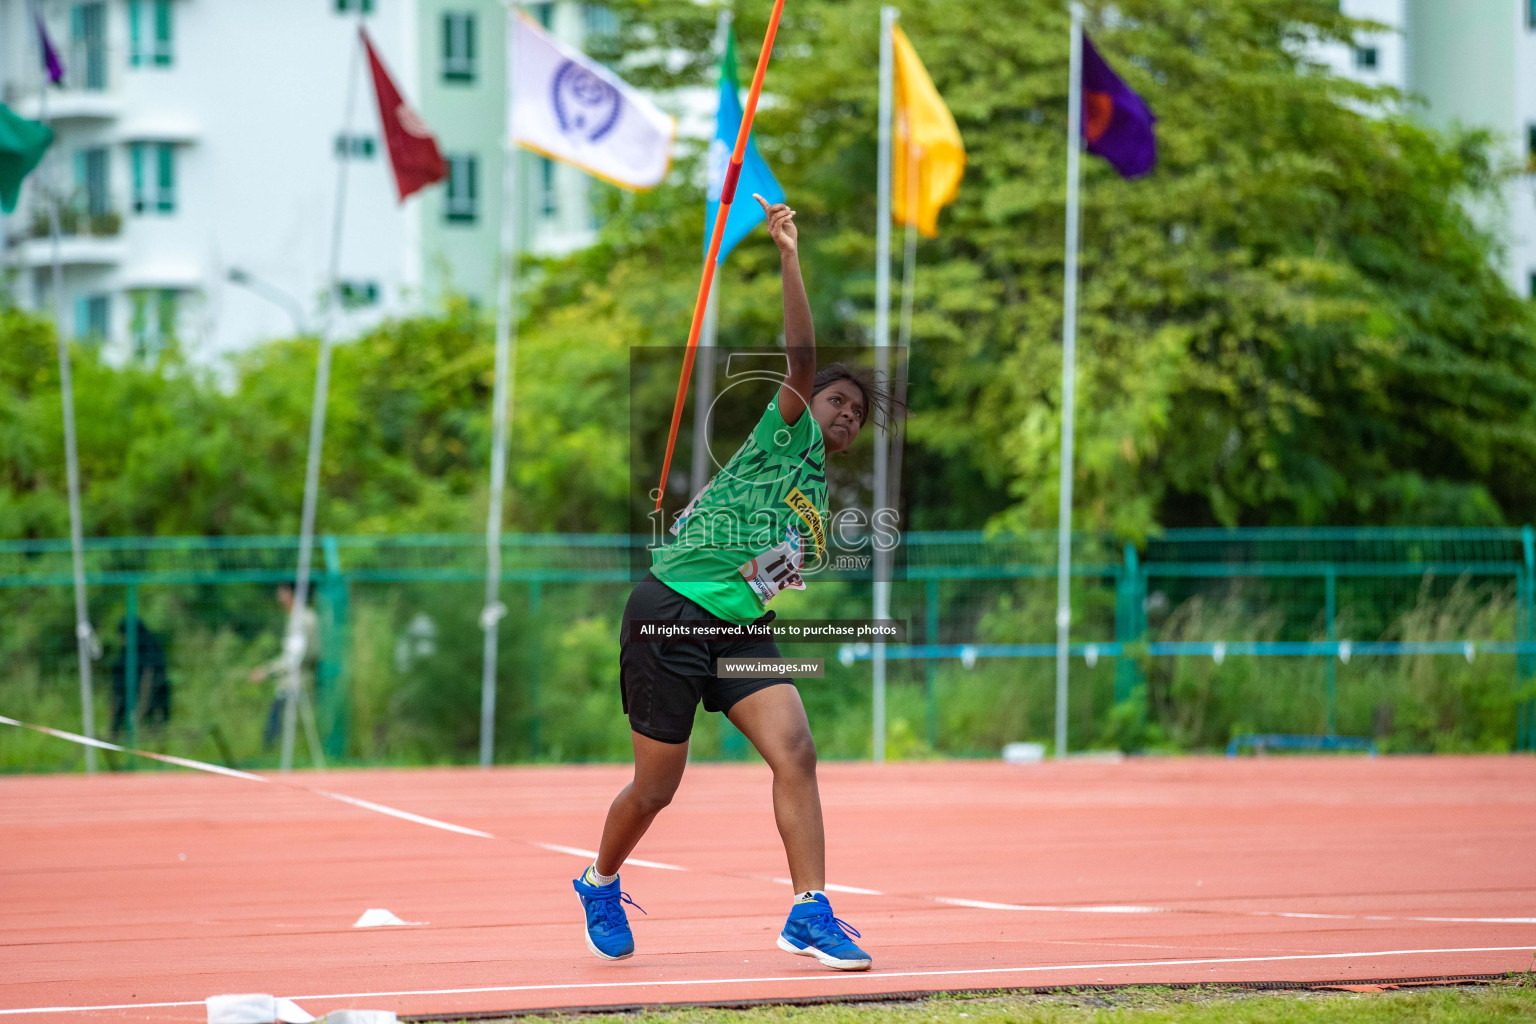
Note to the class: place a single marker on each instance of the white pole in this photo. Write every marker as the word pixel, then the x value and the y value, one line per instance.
pixel 85 636
pixel 704 390
pixel 909 256
pixel 882 587
pixel 501 407
pixel 1068 380
pixel 295 640
pixel 704 376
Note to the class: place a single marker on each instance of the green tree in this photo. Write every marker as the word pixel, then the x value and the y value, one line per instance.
pixel 1292 320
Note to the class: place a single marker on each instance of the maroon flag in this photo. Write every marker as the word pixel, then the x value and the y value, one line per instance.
pixel 413 151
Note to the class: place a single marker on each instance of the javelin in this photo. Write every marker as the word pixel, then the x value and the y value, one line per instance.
pixel 727 193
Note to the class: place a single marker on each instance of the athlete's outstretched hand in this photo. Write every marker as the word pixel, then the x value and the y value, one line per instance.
pixel 781 226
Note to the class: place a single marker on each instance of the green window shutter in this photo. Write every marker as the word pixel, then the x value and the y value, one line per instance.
pixel 138 323
pixel 82 317
pixel 136 156
pixel 135 33
pixel 82 170
pixel 166 315
pixel 166 177
pixel 163 40
pixel 469 42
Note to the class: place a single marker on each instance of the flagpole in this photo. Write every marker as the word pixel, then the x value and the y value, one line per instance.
pixel 1068 379
pixel 882 584
pixel 909 255
pixel 85 636
pixel 295 640
pixel 704 386
pixel 704 391
pixel 501 405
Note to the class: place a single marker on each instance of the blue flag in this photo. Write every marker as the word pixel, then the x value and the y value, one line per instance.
pixel 745 214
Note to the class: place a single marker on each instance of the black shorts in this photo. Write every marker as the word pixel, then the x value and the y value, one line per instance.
pixel 663 681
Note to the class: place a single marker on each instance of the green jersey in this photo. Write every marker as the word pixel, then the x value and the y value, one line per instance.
pixel 743 538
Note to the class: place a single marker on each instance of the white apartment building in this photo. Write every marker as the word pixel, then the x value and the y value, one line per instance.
pixel 1473 63
pixel 197 146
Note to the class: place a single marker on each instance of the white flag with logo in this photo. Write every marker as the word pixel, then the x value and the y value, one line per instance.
pixel 570 108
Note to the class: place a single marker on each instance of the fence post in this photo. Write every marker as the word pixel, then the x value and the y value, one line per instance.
pixel 335 643
pixel 1525 715
pixel 535 658
pixel 1129 627
pixel 131 665
pixel 1330 611
pixel 931 638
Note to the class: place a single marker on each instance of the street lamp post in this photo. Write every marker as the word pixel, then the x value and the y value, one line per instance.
pixel 245 279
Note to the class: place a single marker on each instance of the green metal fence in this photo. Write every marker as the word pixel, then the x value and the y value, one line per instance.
pixel 399 637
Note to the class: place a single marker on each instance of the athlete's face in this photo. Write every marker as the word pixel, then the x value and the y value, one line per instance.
pixel 839 408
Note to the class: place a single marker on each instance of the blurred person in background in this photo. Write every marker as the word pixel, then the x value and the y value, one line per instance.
pixel 277 668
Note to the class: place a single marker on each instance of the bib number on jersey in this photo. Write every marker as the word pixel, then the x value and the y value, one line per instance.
pixel 776 569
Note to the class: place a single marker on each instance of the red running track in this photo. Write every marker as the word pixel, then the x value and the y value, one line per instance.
pixel 167 887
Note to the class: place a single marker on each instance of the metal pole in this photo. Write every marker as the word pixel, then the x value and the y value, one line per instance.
pixel 1068 380
pixel 704 393
pixel 85 636
pixel 501 409
pixel 882 587
pixel 295 640
pixel 131 663
pixel 1330 600
pixel 704 386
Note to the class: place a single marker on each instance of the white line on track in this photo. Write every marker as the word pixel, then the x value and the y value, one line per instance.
pixel 971 972
pixel 395 812
pixel 576 851
pixel 1115 909
pixel 833 887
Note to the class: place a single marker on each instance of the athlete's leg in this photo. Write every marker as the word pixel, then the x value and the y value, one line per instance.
pixel 773 718
pixel 658 769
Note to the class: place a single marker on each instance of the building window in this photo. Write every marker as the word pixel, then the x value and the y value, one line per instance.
pixel 458 47
pixel 358 294
pixel 549 191
pixel 355 147
pixel 599 22
pixel 360 6
pixel 1365 58
pixel 545 12
pixel 152 323
pixel 1530 14
pixel 88 29
pixel 463 195
pixel 149 33
pixel 91 181
pixel 154 177
pixel 93 318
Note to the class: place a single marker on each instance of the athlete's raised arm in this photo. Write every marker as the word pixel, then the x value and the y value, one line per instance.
pixel 799 332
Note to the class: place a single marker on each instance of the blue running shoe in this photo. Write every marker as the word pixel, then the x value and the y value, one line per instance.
pixel 608 933
pixel 812 931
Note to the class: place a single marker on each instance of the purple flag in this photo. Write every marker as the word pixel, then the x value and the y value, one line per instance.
pixel 1116 121
pixel 50 55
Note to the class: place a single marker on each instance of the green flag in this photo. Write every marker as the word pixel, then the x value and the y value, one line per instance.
pixel 22 145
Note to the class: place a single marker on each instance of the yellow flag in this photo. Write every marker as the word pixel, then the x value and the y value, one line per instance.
pixel 927 145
